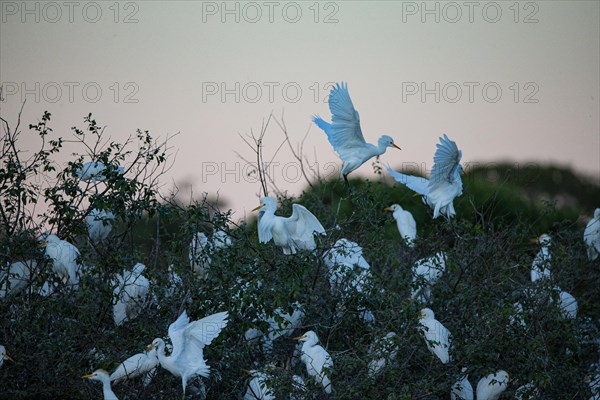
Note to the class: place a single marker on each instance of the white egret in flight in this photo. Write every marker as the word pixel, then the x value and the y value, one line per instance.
pixel 462 389
pixel 64 258
pixel 444 183
pixel 101 375
pixel 291 234
pixel 317 359
pixel 94 171
pixel 137 365
pixel 492 386
pixel 540 267
pixel 345 135
pixel 436 336
pixel 20 274
pixel 189 339
pixel 405 222
pixel 591 236
pixel 3 355
pixel 130 293
pixel 99 224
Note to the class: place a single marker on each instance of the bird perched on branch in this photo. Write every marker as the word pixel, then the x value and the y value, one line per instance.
pixel 444 183
pixel 345 135
pixel 492 386
pixel 316 359
pixel 101 375
pixel 407 226
pixel 64 258
pixel 437 336
pixel 291 234
pixel 591 236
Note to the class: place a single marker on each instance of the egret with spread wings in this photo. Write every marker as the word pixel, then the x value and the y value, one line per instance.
pixel 344 132
pixel 291 234
pixel 189 339
pixel 444 184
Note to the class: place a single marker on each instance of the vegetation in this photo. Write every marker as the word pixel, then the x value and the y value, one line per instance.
pixel 56 339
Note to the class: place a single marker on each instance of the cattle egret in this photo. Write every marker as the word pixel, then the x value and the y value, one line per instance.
pixel 426 273
pixel 101 375
pixel 291 234
pixel 381 351
pixel 95 171
pixel 567 304
pixel 492 386
pixel 405 222
pixel 130 293
pixel 462 389
pixel 20 274
pixel 281 323
pixel 591 236
pixel 189 339
pixel 436 336
pixel 540 267
pixel 444 183
pixel 345 135
pixel 3 355
pixel 140 364
pixel 341 261
pixel 99 224
pixel 259 387
pixel 64 258
pixel 317 359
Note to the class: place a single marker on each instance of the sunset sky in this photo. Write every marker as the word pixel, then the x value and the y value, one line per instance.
pixel 505 80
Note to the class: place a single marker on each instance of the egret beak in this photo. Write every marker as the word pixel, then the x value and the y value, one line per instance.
pixel 299 337
pixel 257 208
pixel 43 244
pixel 150 347
pixel 416 194
pixel 394 144
pixel 8 358
pixel 388 209
pixel 88 376
pixel 535 240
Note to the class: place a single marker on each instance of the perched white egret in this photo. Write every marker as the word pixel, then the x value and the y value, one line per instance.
pixel 566 303
pixel 298 388
pixel 426 273
pixel 492 386
pixel 381 351
pixel 317 359
pixel 101 375
pixel 99 224
pixel 189 339
pixel 221 240
pixel 3 355
pixel 462 389
pixel 200 258
pixel 259 387
pixel 64 258
pixel 444 183
pixel 130 294
pixel 341 261
pixel 20 274
pixel 407 226
pixel 527 392
pixel 137 365
pixel 292 233
pixel 436 336
pixel 591 236
pixel 345 135
pixel 281 323
pixel 94 171
pixel 540 267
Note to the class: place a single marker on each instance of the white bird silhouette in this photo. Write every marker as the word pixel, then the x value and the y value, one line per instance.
pixel 381 351
pixel 591 236
pixel 492 386
pixel 407 226
pixel 317 359
pixel 18 276
pixel 259 387
pixel 291 234
pixel 345 135
pixel 444 183
pixel 201 250
pixel 436 336
pixel 64 258
pixel 130 294
pixel 137 365
pixel 426 273
pixel 99 223
pixel 101 375
pixel 189 339
pixel 462 389
pixel 540 267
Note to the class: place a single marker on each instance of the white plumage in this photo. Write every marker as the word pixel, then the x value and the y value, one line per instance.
pixel 137 365
pixel 130 294
pixel 462 389
pixel 201 250
pixel 407 226
pixel 20 274
pixel 64 258
pixel 492 386
pixel 259 387
pixel 291 234
pixel 540 267
pixel 381 351
pixel 444 183
pixel 345 135
pixel 426 273
pixel 591 236
pixel 3 355
pixel 341 261
pixel 317 360
pixel 189 339
pixel 567 304
pixel 436 336
pixel 527 392
pixel 101 375
pixel 95 171
pixel 99 224
pixel 281 323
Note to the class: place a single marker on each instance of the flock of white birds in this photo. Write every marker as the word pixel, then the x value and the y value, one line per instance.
pixel 348 270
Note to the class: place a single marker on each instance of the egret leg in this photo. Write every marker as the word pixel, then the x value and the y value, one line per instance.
pixel 347 183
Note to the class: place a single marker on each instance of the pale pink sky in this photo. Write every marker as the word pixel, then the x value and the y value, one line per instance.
pixel 177 58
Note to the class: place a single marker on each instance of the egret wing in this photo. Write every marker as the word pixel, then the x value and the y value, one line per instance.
pixel 264 229
pixel 301 226
pixel 445 164
pixel 176 333
pixel 344 132
pixel 414 183
pixel 134 366
pixel 208 328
